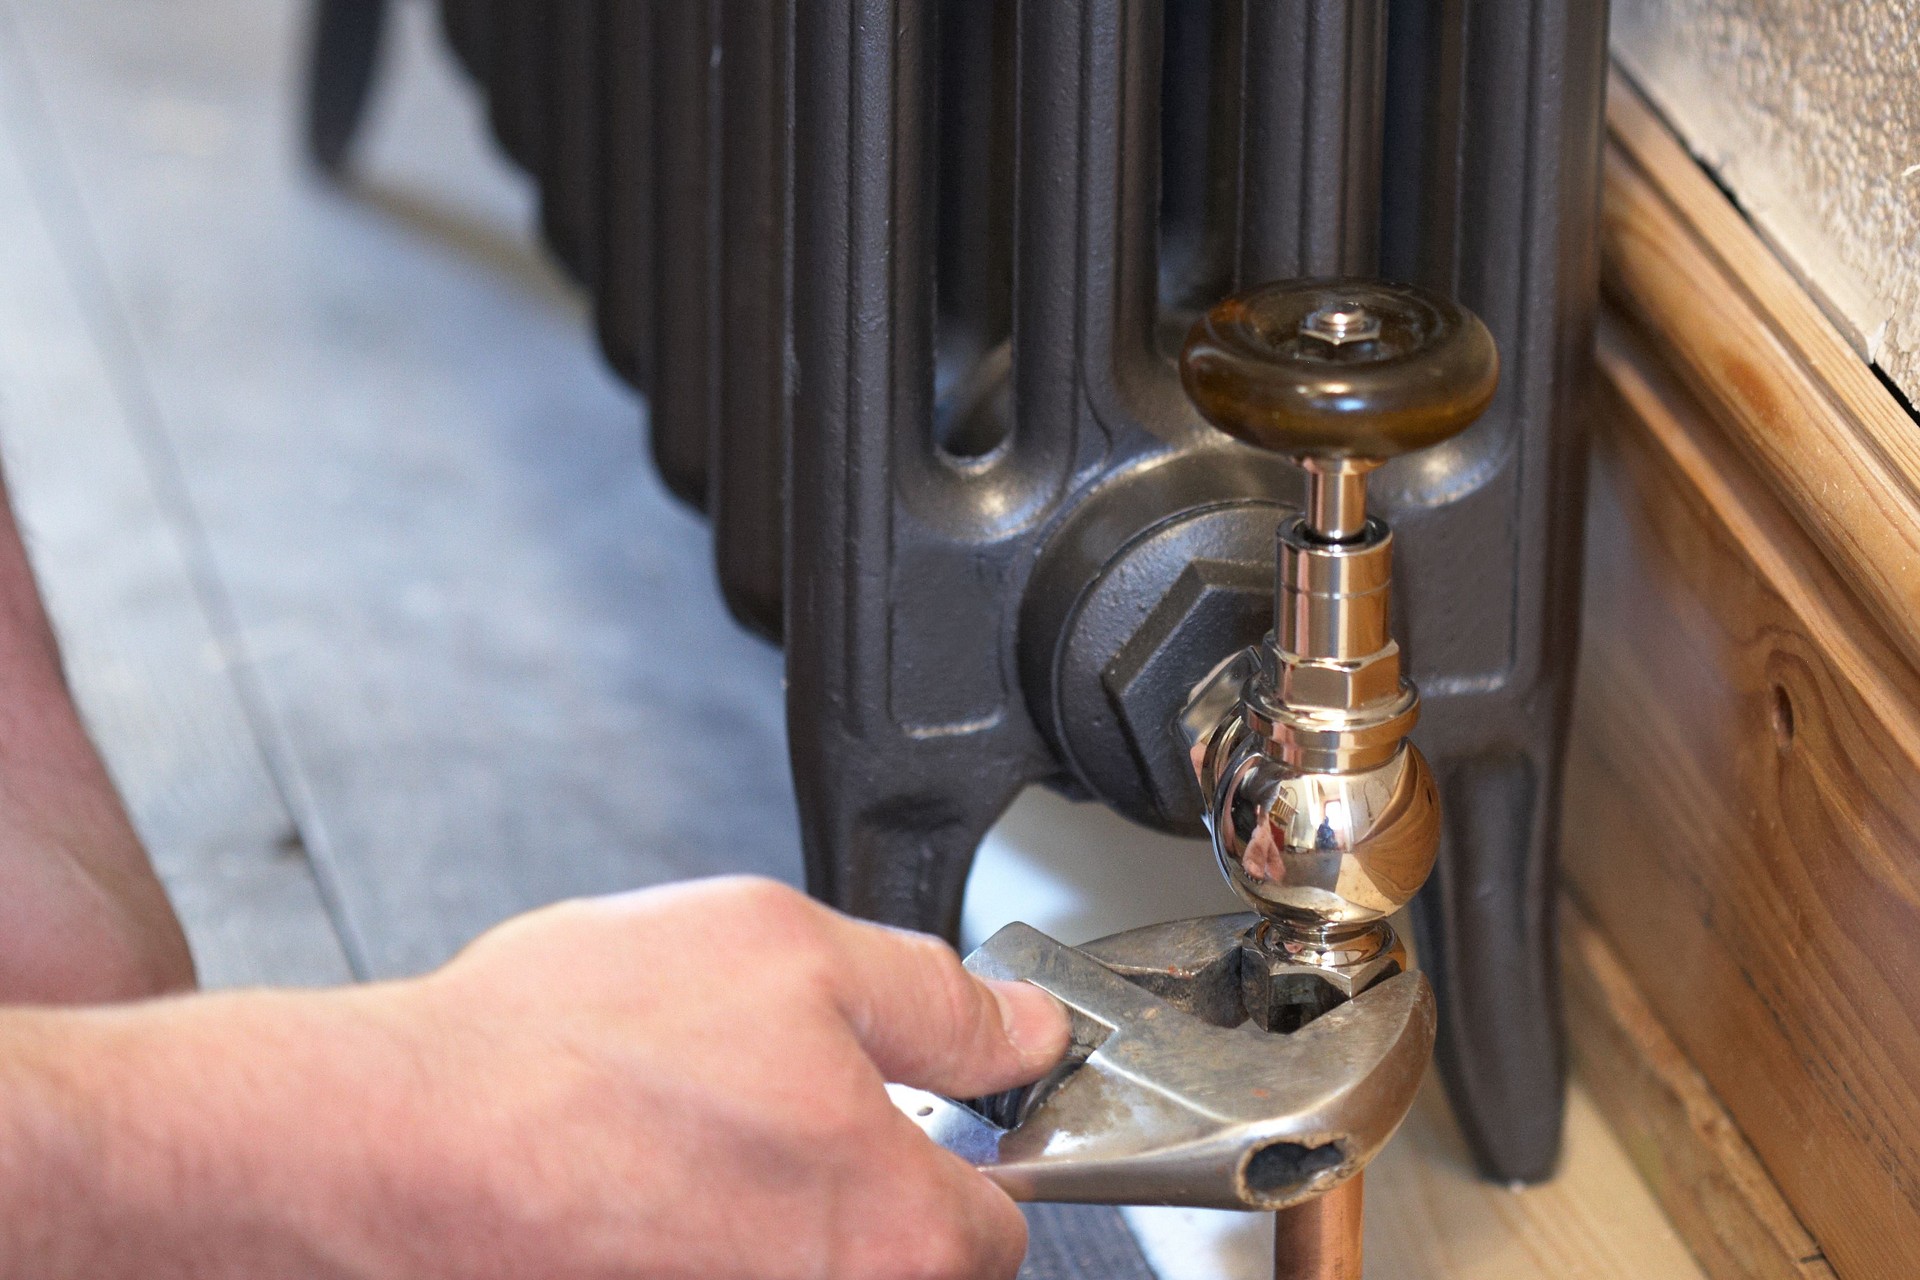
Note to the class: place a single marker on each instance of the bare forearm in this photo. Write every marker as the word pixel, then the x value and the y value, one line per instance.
pixel 225 1136
pixel 82 916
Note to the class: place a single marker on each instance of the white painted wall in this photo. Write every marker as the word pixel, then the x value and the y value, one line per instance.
pixel 1809 112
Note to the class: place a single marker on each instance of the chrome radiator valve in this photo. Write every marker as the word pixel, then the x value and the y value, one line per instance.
pixel 1325 818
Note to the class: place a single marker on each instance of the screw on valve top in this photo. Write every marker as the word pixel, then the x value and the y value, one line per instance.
pixel 1334 370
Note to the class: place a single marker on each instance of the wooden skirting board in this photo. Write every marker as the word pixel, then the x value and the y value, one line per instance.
pixel 1704 1173
pixel 1743 799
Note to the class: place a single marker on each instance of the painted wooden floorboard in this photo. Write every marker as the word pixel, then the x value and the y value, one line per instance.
pixel 149 669
pixel 494 665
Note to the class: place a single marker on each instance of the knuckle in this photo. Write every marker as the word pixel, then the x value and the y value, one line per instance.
pixel 960 996
pixel 941 1250
pixel 932 966
pixel 763 896
pixel 934 951
pixel 834 1120
pixel 564 913
pixel 782 918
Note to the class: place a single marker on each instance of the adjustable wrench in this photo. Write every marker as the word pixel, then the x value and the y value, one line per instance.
pixel 1172 1094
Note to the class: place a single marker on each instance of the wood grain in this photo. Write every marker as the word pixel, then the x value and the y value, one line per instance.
pixel 1703 1172
pixel 1803 407
pixel 1743 811
pixel 1432 1218
pixel 1743 808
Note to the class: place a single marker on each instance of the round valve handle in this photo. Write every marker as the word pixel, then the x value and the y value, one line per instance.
pixel 1340 375
pixel 1340 369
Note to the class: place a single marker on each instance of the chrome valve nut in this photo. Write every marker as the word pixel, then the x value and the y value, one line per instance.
pixel 1284 984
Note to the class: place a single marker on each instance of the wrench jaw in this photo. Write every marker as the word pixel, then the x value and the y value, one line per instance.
pixel 1180 1100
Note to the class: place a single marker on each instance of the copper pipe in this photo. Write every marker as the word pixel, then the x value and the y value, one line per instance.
pixel 1320 1240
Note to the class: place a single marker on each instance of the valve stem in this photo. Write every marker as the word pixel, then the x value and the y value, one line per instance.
pixel 1336 500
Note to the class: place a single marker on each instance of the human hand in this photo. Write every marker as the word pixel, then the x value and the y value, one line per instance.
pixel 690 1082
pixel 681 1084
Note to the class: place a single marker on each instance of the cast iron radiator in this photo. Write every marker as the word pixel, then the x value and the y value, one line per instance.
pixel 902 280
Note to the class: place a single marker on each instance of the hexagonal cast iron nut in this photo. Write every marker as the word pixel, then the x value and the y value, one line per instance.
pixel 1109 670
pixel 1213 609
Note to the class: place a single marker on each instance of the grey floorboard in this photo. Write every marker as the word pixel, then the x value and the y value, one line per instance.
pixel 493 666
pixel 147 665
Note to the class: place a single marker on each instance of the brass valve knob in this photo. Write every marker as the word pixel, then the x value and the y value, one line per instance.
pixel 1325 818
pixel 1340 376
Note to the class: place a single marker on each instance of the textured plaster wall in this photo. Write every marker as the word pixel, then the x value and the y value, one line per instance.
pixel 1809 112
